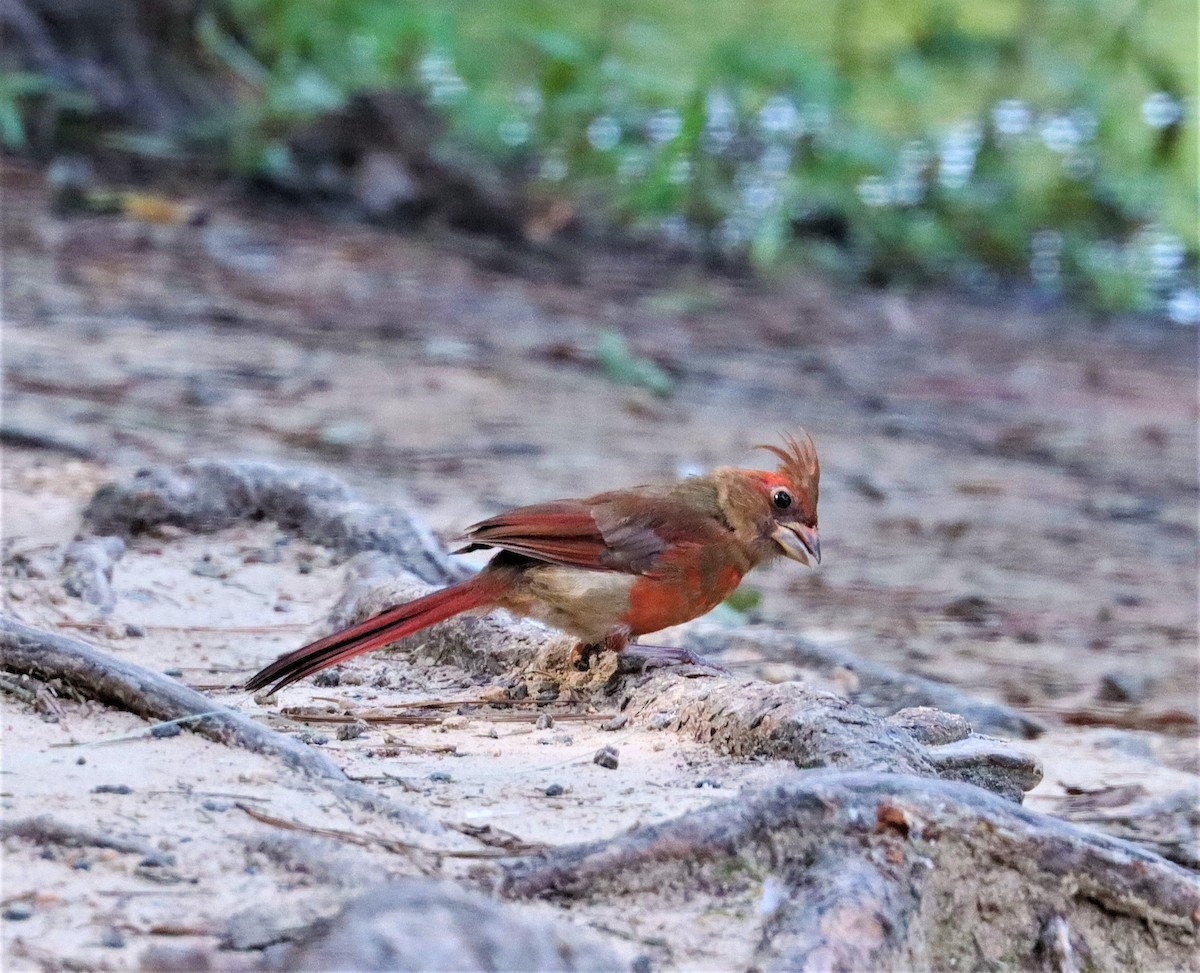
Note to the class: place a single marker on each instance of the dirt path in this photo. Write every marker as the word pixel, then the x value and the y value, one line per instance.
pixel 1008 505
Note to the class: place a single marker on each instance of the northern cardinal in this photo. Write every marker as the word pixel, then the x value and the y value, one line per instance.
pixel 610 567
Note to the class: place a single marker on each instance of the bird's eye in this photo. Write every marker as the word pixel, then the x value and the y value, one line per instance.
pixel 782 499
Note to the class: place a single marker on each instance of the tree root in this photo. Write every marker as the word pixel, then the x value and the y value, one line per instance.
pixel 209 496
pixel 44 830
pixel 819 729
pixel 854 871
pixel 880 688
pixel 44 655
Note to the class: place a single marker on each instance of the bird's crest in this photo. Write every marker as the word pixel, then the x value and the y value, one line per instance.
pixel 799 463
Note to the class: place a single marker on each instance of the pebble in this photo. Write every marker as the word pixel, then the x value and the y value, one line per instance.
pixel 555 790
pixel 112 789
pixel 113 939
pixel 607 757
pixel 81 865
pixel 330 677
pixel 164 730
pixel 440 777
pixel 207 568
pixel 18 911
pixel 709 784
pixel 218 806
pixel 1122 687
pixel 615 723
pixel 135 631
pixel 545 721
pixel 351 731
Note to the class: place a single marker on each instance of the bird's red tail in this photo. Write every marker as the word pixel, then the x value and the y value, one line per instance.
pixel 378 630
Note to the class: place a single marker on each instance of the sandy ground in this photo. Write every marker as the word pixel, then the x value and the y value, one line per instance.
pixel 1008 504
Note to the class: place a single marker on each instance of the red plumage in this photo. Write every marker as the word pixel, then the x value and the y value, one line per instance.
pixel 610 567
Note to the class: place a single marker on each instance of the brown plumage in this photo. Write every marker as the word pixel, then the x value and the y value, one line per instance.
pixel 610 567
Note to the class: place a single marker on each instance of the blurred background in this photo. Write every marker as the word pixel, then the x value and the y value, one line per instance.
pixel 468 256
pixel 1044 147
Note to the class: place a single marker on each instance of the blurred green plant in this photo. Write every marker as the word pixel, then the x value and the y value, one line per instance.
pixel 1050 142
pixel 620 365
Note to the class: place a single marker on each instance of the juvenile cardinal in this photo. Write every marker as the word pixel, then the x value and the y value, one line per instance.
pixel 611 567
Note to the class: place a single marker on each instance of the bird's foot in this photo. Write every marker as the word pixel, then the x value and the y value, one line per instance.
pixel 583 654
pixel 638 658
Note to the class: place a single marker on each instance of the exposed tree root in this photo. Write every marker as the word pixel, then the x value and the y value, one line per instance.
pixel 116 682
pixel 859 871
pixel 880 688
pixel 209 496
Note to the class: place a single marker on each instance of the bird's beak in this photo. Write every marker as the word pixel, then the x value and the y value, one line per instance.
pixel 800 543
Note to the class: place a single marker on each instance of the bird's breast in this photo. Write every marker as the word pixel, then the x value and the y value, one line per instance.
pixel 657 602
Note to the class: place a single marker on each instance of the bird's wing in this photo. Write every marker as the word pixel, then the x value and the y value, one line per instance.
pixel 627 531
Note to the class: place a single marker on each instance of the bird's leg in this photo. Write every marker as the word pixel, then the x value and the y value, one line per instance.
pixel 650 656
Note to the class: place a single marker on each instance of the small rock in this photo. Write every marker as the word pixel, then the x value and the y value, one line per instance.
pixel 263 555
pixel 216 806
pixel 607 757
pixel 972 609
pixel 709 784
pixel 165 730
pixel 660 721
pixel 112 939
pixel 555 790
pixel 327 678
pixel 351 731
pixel 112 789
pixel 455 722
pixel 440 777
pixel 447 350
pixel 614 723
pixel 545 721
pixel 547 696
pixel 519 691
pixel 1122 687
pixel 642 964
pixel 203 391
pixel 18 911
pixel 313 739
pixel 81 761
pixel 174 673
pixel 345 434
pixel 268 698
pixel 82 865
pixel 157 860
pixel 206 567
pixel 135 631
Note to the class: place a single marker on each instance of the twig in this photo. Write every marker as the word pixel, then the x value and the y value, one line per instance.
pixel 365 840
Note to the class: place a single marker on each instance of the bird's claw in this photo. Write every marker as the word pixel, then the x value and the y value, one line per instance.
pixel 642 657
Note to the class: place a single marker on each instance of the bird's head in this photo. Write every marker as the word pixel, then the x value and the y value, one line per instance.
pixel 776 512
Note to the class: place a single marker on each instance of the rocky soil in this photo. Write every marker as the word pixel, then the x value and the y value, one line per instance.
pixel 1009 529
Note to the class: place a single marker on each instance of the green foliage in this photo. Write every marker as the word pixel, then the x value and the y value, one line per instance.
pixel 944 136
pixel 623 367
pixel 938 140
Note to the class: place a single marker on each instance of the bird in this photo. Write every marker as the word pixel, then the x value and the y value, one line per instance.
pixel 609 568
